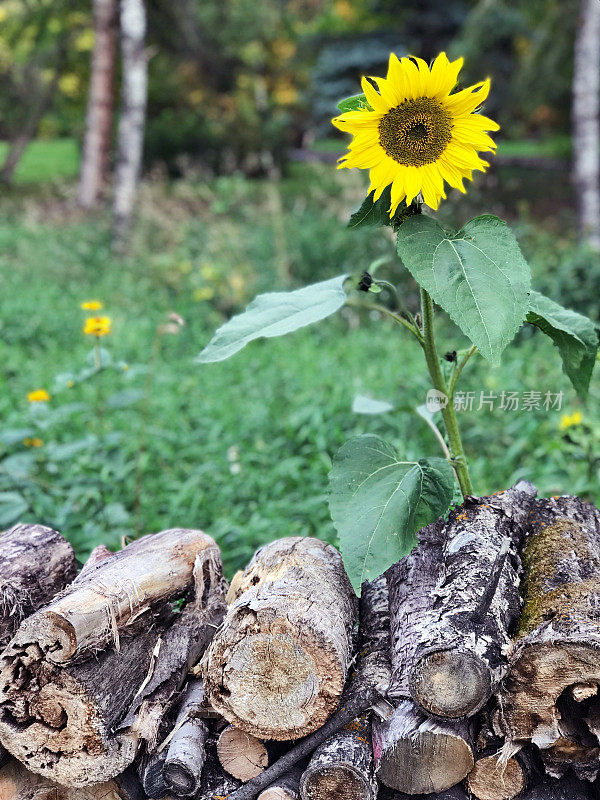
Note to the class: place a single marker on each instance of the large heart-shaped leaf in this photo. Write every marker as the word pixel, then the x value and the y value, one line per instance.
pixel 479 276
pixel 378 502
pixel 574 335
pixel 276 314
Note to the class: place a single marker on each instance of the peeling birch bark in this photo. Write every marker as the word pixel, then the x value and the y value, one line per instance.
pixel 453 601
pixel 36 563
pixel 548 696
pixel 186 754
pixel 276 669
pixel 342 767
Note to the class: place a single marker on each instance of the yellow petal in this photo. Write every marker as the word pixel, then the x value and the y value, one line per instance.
pixel 387 92
pixel 412 79
pixel 467 100
pixel 398 192
pixel 374 99
pixel 412 184
pixel 444 75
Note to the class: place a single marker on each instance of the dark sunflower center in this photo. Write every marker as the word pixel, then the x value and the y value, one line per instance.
pixel 416 132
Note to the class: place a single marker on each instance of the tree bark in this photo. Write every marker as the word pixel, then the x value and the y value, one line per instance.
pixel 549 695
pixel 342 766
pixel 277 667
pixel 130 139
pixel 367 685
pixel 98 123
pixel 453 601
pixel 287 787
pixel 65 720
pixel 187 749
pixel 36 563
pixel 241 754
pixel 416 754
pixel 586 121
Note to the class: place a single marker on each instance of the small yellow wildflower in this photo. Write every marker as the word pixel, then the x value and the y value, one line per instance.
pixel 32 441
pixel 38 396
pixel 97 326
pixel 92 305
pixel 570 420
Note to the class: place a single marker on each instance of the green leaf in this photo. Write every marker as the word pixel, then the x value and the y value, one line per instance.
pixel 355 103
pixel 367 405
pixel 378 502
pixel 125 398
pixel 574 335
pixel 375 213
pixel 12 505
pixel 276 314
pixel 479 276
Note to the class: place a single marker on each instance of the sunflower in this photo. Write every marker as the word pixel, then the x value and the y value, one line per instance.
pixel 414 134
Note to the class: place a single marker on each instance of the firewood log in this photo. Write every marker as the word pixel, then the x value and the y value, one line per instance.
pixel 216 784
pixel 276 669
pixel 455 793
pixel 83 721
pixel 549 696
pixel 567 788
pixel 342 766
pixel 453 601
pixel 495 778
pixel 17 783
pixel 287 787
pixel 150 770
pixel 417 754
pixel 35 564
pixel 367 686
pixel 241 754
pixel 186 753
pixel 113 593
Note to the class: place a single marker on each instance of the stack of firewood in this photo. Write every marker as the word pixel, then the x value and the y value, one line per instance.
pixel 470 669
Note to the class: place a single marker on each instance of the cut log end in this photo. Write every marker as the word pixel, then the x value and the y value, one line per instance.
pixel 493 779
pixel 450 683
pixel 241 754
pixel 343 782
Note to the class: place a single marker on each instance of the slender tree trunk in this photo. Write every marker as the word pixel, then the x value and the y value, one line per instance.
pixel 99 116
pixel 586 121
pixel 134 91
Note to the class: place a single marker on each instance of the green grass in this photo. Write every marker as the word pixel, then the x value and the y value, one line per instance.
pixel 242 448
pixel 46 160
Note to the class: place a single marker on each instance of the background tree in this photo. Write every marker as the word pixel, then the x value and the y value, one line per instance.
pixel 98 125
pixel 134 92
pixel 586 121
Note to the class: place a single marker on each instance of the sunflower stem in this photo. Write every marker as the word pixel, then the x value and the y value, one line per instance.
pixel 459 461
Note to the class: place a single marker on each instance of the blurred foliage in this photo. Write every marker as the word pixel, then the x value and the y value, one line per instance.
pixel 236 85
pixel 241 449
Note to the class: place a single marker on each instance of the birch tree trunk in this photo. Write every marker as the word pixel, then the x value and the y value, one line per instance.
pixel 98 122
pixel 134 90
pixel 586 121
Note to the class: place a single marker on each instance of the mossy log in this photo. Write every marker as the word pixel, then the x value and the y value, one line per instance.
pixel 551 693
pixel 417 754
pixel 276 668
pixel 453 601
pixel 366 687
pixel 82 722
pixel 36 563
pixel 342 767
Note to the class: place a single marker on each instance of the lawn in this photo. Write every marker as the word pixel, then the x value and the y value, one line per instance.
pixel 241 449
pixel 45 160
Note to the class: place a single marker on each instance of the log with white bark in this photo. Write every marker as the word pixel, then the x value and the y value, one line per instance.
pixel 365 690
pixel 130 136
pixel 276 669
pixel 241 754
pixel 453 602
pixel 99 116
pixel 186 753
pixel 36 563
pixel 551 693
pixel 82 721
pixel 417 754
pixel 342 766
pixel 287 787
